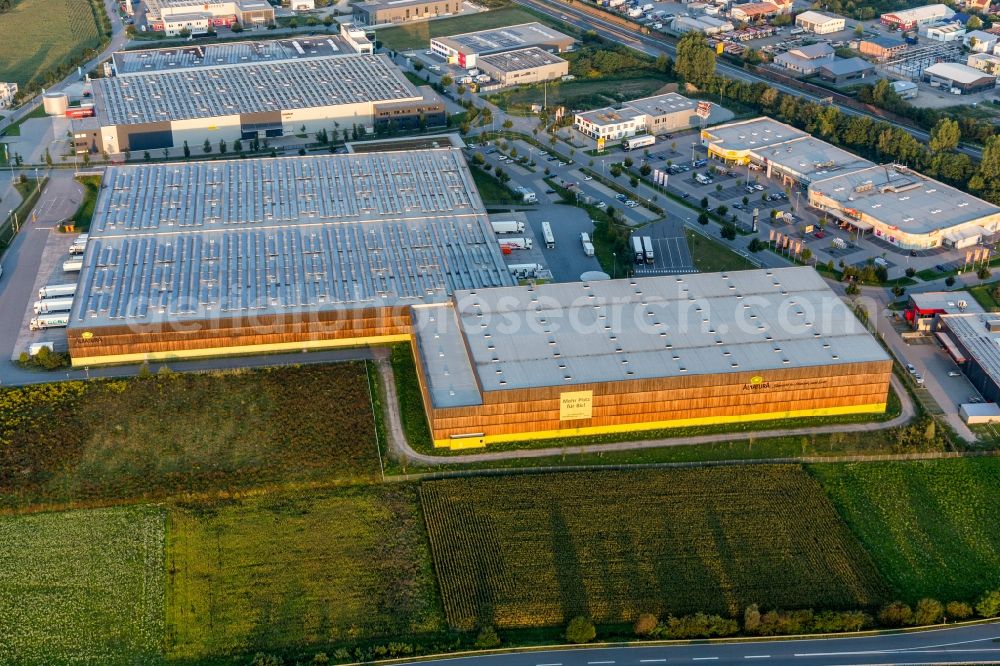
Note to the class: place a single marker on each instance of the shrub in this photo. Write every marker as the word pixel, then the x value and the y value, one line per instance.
pixel 261 659
pixel 777 623
pixel 751 617
pixel 487 639
pixel 896 614
pixel 928 611
pixel 958 610
pixel 580 630
pixel 645 624
pixel 834 621
pixel 699 625
pixel 989 604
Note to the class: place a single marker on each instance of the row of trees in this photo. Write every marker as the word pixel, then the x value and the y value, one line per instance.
pixel 877 140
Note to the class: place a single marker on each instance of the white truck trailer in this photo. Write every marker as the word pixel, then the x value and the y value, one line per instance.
pixel 49 305
pixel 508 227
pixel 525 270
pixel 647 247
pixel 73 265
pixel 54 290
pixel 517 243
pixel 60 320
pixel 638 250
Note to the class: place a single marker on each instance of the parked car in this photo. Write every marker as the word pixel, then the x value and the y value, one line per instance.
pixel 588 178
pixel 820 234
pixel 954 373
pixel 918 378
pixel 759 187
pixel 910 369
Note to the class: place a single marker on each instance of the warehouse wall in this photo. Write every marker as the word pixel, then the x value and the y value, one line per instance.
pixel 667 402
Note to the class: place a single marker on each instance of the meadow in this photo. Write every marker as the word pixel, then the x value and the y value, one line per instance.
pixel 288 570
pixel 82 587
pixel 535 550
pixel 40 37
pixel 103 442
pixel 932 527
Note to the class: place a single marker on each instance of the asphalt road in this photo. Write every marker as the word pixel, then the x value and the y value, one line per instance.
pixel 973 644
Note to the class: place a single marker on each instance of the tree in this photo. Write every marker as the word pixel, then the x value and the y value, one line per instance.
pixel 703 218
pixel 722 210
pixel 628 162
pixel 898 290
pixel 238 146
pixel 944 136
pixel 207 146
pixel 859 30
pixel 983 273
pixel 187 150
pixel 974 23
pixel 728 231
pixel 950 281
pixel 704 202
pixel 645 624
pixel 633 181
pixel 746 200
pixel 852 289
pixel 86 158
pixel 48 157
pixel 447 80
pixel 989 604
pixel 222 146
pixel 695 58
pixel 911 271
pixel 645 169
pixel 478 158
pixel 507 124
pixel 460 89
pixel 236 27
pixel 146 156
pixel 580 630
pixel 928 611
pixel 806 255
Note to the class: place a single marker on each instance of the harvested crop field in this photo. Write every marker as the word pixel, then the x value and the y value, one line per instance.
pixel 82 587
pixel 78 443
pixel 535 550
pixel 295 569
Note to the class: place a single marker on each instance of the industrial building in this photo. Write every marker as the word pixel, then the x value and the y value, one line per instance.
pixel 896 204
pixel 465 49
pixel 905 208
pixel 958 78
pixel 922 308
pixel 819 23
pixel 402 11
pixel 247 98
pixel 984 62
pixel 905 89
pixel 609 356
pixel 882 48
pixel 806 60
pixel 779 150
pixel 910 19
pixel 950 31
pixel 753 11
pixel 523 66
pixel 245 256
pixel 708 25
pixel 980 41
pixel 973 341
pixel 843 70
pixel 648 115
pixel 200 16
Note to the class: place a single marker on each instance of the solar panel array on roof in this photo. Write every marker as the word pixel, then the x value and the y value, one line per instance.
pixel 251 87
pixel 210 240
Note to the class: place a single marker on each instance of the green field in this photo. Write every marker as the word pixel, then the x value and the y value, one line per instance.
pixel 82 587
pixel 932 527
pixel 85 212
pixel 292 570
pixel 77 443
pixel 417 35
pixel 534 550
pixel 711 256
pixel 38 37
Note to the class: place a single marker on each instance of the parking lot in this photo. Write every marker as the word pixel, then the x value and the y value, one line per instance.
pixel 671 254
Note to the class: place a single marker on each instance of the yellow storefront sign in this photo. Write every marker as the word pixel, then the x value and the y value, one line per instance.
pixel 575 405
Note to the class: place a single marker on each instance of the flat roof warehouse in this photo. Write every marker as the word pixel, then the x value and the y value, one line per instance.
pixel 506 38
pixel 620 330
pixel 217 240
pixel 253 87
pixel 234 53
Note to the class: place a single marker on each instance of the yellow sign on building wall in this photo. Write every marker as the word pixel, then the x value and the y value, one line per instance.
pixel 576 405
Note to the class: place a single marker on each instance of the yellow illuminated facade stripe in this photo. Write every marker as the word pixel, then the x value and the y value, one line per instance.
pixel 477 442
pixel 184 354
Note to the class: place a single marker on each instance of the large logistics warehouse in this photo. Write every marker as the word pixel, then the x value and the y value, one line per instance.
pixel 892 202
pixel 247 98
pixel 465 49
pixel 560 360
pixel 246 256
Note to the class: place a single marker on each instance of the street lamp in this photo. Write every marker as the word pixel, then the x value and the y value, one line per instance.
pixel 614 265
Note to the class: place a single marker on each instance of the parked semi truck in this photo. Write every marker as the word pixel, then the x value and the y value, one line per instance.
pixel 647 247
pixel 52 291
pixel 48 305
pixel 44 321
pixel 524 270
pixel 508 227
pixel 79 245
pixel 638 250
pixel 73 265
pixel 517 243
